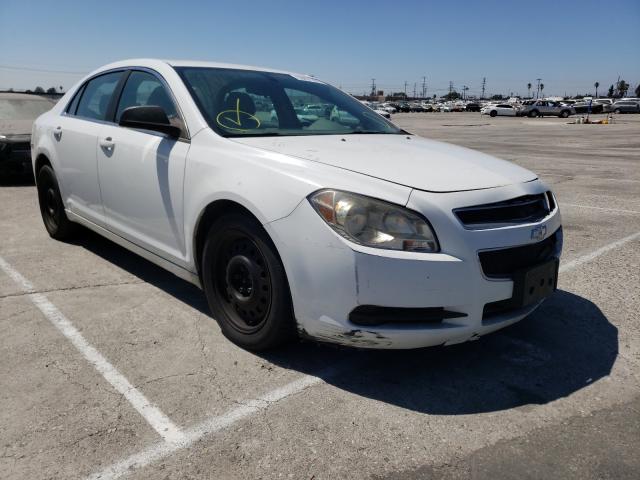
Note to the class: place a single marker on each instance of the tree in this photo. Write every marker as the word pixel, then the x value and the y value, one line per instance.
pixel 453 95
pixel 529 90
pixel 39 90
pixel 51 90
pixel 597 84
pixel 622 88
pixel 497 97
pixel 541 88
pixel 610 92
pixel 638 90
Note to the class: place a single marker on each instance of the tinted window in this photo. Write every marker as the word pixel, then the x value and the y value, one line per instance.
pixel 96 96
pixel 144 89
pixel 73 106
pixel 246 103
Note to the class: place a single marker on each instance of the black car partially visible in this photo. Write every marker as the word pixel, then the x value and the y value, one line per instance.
pixel 17 113
pixel 473 107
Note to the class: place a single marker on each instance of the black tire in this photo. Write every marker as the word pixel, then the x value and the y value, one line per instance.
pixel 534 113
pixel 564 113
pixel 617 110
pixel 51 207
pixel 493 113
pixel 246 285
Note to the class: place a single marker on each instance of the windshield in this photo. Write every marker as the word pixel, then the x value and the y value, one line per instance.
pixel 240 103
pixel 23 109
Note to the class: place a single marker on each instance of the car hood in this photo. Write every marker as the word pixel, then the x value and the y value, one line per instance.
pixel 406 160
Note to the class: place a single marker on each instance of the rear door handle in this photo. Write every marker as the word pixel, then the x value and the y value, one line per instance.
pixel 57 133
pixel 107 143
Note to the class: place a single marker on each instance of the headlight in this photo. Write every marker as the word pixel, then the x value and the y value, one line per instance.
pixel 374 223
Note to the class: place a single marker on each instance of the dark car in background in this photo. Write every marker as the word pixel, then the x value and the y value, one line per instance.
pixel 473 107
pixel 583 107
pixel 17 113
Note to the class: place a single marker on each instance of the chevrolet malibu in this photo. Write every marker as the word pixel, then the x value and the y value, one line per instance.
pixel 344 228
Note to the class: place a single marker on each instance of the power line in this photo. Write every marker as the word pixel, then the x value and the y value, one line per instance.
pixel 41 70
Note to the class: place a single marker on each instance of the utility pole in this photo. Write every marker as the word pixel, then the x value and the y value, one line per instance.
pixel 484 84
pixel 450 88
pixel 538 89
pixel 464 92
pixel 424 87
pixel 414 90
pixel 405 89
pixel 373 87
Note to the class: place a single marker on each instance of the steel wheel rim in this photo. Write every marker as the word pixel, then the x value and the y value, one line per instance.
pixel 244 283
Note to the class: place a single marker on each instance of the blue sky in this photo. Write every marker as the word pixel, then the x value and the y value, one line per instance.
pixel 570 44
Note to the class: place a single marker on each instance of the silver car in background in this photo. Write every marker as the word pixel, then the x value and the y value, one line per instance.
pixel 541 108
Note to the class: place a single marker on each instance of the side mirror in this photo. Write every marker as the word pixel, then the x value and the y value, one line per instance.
pixel 149 118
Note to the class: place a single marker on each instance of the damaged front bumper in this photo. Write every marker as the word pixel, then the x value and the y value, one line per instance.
pixel 371 298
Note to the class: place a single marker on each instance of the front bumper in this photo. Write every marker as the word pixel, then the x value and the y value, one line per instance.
pixel 329 276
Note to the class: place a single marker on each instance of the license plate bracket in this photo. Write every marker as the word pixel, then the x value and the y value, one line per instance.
pixel 535 283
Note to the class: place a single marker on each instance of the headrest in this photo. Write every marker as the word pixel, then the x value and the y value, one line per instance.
pixel 246 102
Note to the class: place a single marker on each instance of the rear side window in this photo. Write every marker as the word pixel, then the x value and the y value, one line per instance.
pixel 73 106
pixel 144 89
pixel 97 95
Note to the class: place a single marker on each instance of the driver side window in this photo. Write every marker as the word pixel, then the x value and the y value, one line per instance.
pixel 144 89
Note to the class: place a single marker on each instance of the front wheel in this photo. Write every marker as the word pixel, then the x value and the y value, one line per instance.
pixel 617 110
pixel 246 285
pixel 493 113
pixel 564 113
pixel 534 113
pixel 51 207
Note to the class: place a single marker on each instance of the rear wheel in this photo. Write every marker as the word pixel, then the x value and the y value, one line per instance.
pixel 493 113
pixel 245 284
pixel 534 113
pixel 564 113
pixel 51 207
pixel 617 110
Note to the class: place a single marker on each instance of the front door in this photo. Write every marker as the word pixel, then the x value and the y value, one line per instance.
pixel 141 174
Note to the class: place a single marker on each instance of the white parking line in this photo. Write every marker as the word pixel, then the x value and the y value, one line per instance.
pixel 215 424
pixel 211 425
pixel 158 420
pixel 565 267
pixel 604 209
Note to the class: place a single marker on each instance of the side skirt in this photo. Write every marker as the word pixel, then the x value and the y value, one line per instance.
pixel 146 254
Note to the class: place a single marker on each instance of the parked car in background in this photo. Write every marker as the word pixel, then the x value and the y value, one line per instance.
pixel 541 108
pixel 17 113
pixel 380 110
pixel 626 106
pixel 503 109
pixel 473 107
pixel 583 107
pixel 292 229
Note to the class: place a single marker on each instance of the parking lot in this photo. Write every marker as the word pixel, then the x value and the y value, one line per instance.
pixel 112 367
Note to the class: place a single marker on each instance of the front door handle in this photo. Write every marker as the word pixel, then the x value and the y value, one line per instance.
pixel 57 133
pixel 107 143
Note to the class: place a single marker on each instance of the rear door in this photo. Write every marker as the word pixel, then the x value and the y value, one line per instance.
pixel 75 137
pixel 141 172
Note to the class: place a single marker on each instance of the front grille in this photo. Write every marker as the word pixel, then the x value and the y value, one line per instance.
pixel 525 209
pixel 505 262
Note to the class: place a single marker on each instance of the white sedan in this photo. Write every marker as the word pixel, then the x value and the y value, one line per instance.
pixel 356 232
pixel 500 109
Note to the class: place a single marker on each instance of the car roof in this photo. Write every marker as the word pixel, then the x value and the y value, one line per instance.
pixel 159 63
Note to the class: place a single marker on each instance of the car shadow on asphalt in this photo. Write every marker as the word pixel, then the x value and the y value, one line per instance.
pixel 565 345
